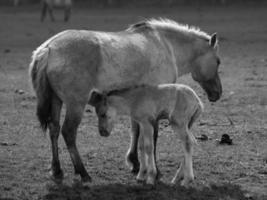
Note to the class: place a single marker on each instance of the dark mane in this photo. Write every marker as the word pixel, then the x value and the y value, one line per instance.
pixel 139 26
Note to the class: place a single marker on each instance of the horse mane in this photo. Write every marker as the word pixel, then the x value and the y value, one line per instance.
pixel 168 24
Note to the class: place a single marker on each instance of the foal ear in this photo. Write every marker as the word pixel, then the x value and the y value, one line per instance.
pixel 213 40
pixel 95 98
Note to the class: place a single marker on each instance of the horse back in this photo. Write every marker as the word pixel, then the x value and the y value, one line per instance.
pixel 135 59
pixel 73 64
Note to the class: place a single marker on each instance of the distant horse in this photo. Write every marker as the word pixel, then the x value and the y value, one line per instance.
pixel 50 5
pixel 16 2
pixel 147 105
pixel 68 66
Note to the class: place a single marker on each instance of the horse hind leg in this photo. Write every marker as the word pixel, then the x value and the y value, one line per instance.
pixel 54 130
pixel 72 120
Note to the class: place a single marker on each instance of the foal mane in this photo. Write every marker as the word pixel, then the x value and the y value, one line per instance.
pixel 168 24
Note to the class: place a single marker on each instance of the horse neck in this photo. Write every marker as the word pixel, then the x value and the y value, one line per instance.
pixel 182 48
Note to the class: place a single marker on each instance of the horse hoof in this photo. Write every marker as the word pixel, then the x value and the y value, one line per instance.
pixel 86 184
pixel 76 178
pixel 159 175
pixel 150 181
pixel 135 170
pixel 86 179
pixel 56 177
pixel 140 179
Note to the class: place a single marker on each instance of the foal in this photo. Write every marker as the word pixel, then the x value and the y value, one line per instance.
pixel 147 105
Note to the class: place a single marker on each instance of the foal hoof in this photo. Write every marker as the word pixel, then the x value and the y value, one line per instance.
pixel 186 182
pixel 150 182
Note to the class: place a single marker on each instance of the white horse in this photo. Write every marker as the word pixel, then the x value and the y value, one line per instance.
pixel 50 5
pixel 147 105
pixel 68 66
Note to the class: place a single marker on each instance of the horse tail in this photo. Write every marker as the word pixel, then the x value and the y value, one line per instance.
pixel 195 116
pixel 41 85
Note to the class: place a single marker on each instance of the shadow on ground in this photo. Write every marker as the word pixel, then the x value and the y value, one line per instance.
pixel 140 192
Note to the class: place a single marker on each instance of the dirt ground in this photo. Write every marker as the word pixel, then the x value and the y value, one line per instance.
pixel 222 172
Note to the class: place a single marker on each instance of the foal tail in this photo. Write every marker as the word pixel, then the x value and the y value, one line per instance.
pixel 41 85
pixel 196 114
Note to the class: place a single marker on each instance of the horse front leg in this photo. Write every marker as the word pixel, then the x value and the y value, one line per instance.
pixel 54 130
pixel 44 11
pixel 50 9
pixel 132 154
pixel 69 131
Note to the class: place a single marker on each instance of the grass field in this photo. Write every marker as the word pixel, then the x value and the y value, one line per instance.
pixel 222 172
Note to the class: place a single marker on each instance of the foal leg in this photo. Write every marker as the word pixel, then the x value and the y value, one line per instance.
pixel 142 172
pixel 187 165
pixel 69 131
pixel 132 154
pixel 54 129
pixel 146 129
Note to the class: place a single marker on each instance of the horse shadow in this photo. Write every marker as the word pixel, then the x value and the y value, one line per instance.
pixel 161 191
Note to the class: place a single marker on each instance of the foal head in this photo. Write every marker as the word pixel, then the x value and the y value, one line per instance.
pixel 105 113
pixel 205 68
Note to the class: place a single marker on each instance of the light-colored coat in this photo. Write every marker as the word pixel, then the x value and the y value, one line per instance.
pixel 70 65
pixel 146 105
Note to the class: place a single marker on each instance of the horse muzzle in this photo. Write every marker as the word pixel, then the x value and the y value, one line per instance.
pixel 214 96
pixel 213 88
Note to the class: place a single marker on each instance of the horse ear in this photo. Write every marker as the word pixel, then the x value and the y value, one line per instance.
pixel 213 40
pixel 95 98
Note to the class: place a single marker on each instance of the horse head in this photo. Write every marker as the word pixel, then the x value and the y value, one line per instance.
pixel 105 113
pixel 205 69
